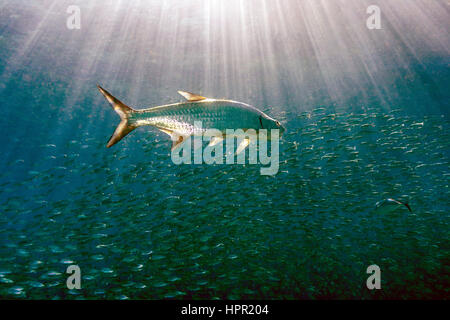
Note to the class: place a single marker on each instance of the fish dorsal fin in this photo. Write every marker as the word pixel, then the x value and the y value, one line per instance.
pixel 191 96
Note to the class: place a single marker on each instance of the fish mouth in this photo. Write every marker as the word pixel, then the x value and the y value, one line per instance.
pixel 280 127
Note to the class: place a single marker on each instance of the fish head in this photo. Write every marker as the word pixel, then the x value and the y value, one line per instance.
pixel 269 124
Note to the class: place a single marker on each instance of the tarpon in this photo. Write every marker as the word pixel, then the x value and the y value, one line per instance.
pixel 178 119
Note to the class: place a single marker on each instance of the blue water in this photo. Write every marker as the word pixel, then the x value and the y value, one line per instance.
pixel 366 115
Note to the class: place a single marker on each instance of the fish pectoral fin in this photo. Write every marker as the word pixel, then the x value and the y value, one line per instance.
pixel 176 141
pixel 244 144
pixel 191 96
pixel 215 140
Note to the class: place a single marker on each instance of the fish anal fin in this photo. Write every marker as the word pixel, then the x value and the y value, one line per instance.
pixel 167 131
pixel 176 138
pixel 177 142
pixel 215 140
pixel 191 96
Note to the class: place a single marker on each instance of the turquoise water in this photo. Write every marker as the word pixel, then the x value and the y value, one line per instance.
pixel 364 122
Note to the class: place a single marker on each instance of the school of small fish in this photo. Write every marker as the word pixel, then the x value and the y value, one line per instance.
pixel 140 227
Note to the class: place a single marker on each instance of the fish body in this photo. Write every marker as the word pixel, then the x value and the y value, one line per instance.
pixel 390 205
pixel 181 120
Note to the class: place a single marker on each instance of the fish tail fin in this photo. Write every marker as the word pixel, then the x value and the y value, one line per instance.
pixel 124 112
pixel 407 205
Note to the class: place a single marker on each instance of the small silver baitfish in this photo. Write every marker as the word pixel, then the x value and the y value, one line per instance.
pixel 178 119
pixel 390 205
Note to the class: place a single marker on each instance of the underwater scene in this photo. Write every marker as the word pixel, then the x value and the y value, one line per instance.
pixel 360 88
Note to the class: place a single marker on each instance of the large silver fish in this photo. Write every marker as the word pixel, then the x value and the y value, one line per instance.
pixel 178 119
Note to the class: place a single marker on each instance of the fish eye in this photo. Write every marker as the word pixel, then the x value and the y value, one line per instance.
pixel 277 123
